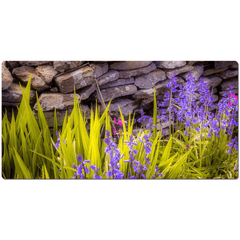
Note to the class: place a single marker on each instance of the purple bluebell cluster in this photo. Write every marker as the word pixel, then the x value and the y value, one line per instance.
pixel 228 111
pixel 146 145
pixel 233 144
pixel 132 153
pixel 82 169
pixel 137 168
pixel 194 111
pixel 95 174
pixel 115 156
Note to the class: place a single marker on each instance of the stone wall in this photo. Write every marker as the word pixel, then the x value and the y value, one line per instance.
pixel 128 83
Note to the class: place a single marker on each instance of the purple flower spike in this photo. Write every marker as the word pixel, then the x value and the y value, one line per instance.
pixel 58 136
pixel 57 145
pixel 198 129
pixel 233 144
pixel 79 158
pixel 58 140
pixel 82 170
pixel 143 117
pixel 115 156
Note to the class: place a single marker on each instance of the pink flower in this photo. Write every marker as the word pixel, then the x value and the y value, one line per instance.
pixel 114 132
pixel 120 122
pixel 114 122
pixel 232 99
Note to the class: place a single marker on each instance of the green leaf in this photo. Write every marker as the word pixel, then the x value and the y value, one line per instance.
pixel 19 162
pixel 176 168
pixel 154 115
pixel 166 152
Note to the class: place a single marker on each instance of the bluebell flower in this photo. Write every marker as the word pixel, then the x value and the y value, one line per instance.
pixel 233 144
pixel 143 117
pixel 115 156
pixel 95 169
pixel 58 140
pixel 82 170
pixel 195 120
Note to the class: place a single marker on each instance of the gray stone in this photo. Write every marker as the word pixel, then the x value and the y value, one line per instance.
pixel 144 94
pixel 126 106
pixel 54 89
pixel 228 83
pixel 110 76
pixel 212 81
pixel 99 69
pixel 7 78
pixel 127 65
pixel 228 74
pixel 137 72
pixel 115 92
pixel 119 82
pixel 146 103
pixel 12 64
pixel 196 72
pixel 24 73
pixel 149 80
pixel 170 64
pixel 46 72
pixel 215 98
pixel 234 65
pixel 192 62
pixel 80 78
pixel 85 93
pixel 50 101
pixel 161 89
pixel 214 71
pixel 222 64
pixel 33 63
pixel 184 69
pixel 63 66
pixel 13 95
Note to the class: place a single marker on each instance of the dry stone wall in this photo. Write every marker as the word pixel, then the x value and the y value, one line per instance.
pixel 129 84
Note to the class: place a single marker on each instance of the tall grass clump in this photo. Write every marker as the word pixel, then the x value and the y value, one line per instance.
pixel 200 143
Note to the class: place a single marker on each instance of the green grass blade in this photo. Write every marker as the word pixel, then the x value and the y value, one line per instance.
pixel 154 115
pixel 19 162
